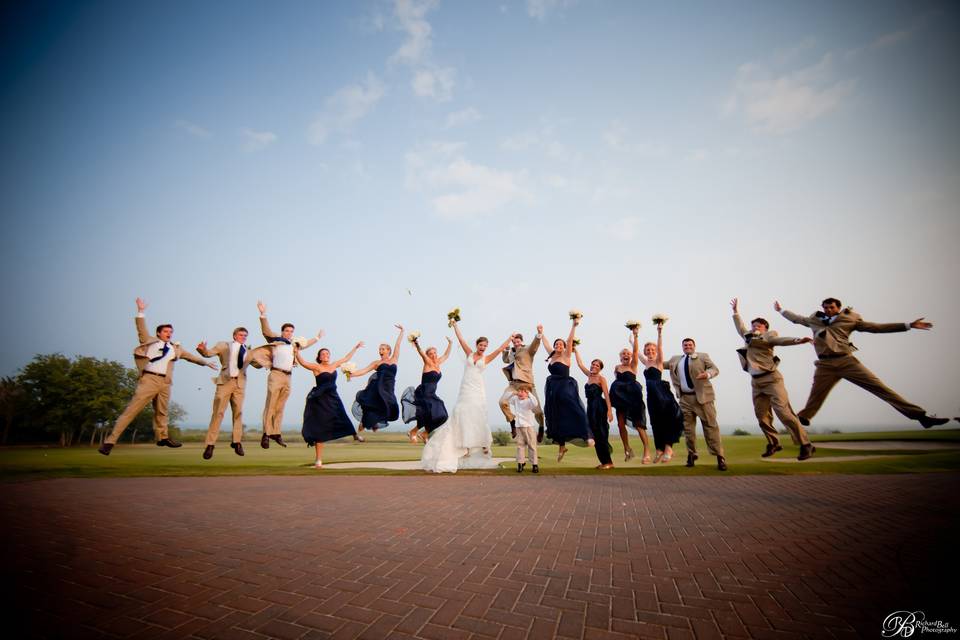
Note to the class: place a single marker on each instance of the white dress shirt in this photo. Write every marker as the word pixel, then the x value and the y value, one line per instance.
pixel 283 356
pixel 153 351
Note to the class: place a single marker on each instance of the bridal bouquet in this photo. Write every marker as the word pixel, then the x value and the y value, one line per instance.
pixel 631 324
pixel 660 319
pixel 575 314
pixel 348 368
pixel 413 336
pixel 576 342
pixel 300 342
pixel 453 316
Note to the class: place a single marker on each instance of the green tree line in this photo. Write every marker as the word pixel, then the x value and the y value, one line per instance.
pixel 73 401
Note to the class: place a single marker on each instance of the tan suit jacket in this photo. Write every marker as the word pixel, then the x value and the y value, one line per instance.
pixel 140 352
pixel 222 351
pixel 833 338
pixel 520 363
pixel 758 352
pixel 699 363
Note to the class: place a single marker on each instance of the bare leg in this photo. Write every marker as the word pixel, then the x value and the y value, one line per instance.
pixel 646 445
pixel 319 461
pixel 625 437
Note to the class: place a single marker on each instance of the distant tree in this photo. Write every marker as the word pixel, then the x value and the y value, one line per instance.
pixel 11 403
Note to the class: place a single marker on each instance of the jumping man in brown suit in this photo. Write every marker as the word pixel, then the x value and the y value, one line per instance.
pixel 835 361
pixel 231 383
pixel 691 374
pixel 519 372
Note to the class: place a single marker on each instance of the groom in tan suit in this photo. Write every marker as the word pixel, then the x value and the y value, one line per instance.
pixel 691 374
pixel 231 383
pixel 835 361
pixel 519 373
pixel 769 392
pixel 154 357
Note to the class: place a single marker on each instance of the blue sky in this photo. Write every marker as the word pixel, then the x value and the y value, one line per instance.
pixel 515 159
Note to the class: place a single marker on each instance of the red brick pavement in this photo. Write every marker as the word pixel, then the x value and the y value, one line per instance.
pixel 475 557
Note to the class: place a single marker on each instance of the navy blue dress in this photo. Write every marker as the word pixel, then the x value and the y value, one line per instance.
pixel 563 412
pixel 376 404
pixel 597 419
pixel 423 405
pixel 324 417
pixel 626 396
pixel 665 415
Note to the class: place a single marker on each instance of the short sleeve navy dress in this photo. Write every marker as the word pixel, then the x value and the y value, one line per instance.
pixel 324 417
pixel 626 396
pixel 563 412
pixel 376 404
pixel 665 415
pixel 423 405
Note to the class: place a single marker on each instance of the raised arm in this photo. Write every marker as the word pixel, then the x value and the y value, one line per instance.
pixel 890 327
pixel 659 361
pixel 784 341
pixel 737 321
pixel 423 356
pixel 532 349
pixel 315 368
pixel 142 334
pixel 573 332
pixel 396 346
pixel 635 356
pixel 446 353
pixel 493 356
pixel 367 369
pixel 346 358
pixel 195 359
pixel 795 318
pixel 463 343
pixel 585 370
pixel 314 340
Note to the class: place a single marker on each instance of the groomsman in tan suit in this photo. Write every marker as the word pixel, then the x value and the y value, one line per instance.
pixel 234 358
pixel 154 357
pixel 519 373
pixel 757 359
pixel 835 361
pixel 691 374
pixel 278 355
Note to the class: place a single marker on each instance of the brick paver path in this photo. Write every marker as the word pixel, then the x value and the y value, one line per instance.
pixel 476 557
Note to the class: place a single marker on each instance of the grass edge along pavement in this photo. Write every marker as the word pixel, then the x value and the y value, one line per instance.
pixel 27 463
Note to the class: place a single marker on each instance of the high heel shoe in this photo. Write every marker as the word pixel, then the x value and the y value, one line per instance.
pixel 659 456
pixel 561 453
pixel 628 455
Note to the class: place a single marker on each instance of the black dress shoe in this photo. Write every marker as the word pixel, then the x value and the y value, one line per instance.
pixel 105 448
pixel 806 451
pixel 803 421
pixel 520 466
pixel 771 449
pixel 208 452
pixel 536 468
pixel 721 463
pixel 237 448
pixel 265 441
pixel 691 457
pixel 932 421
pixel 279 440
pixel 169 442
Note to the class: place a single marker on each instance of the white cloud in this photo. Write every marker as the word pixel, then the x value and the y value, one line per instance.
pixel 256 140
pixel 462 117
pixel 539 9
pixel 780 103
pixel 434 83
pixel 457 187
pixel 624 228
pixel 544 139
pixel 345 107
pixel 192 129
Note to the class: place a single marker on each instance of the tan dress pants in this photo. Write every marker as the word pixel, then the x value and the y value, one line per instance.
pixel 149 389
pixel 278 390
pixel 226 393
pixel 707 412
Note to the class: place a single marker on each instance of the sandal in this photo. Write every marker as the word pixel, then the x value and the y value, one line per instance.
pixel 646 459
pixel 318 465
pixel 667 457
pixel 561 453
pixel 628 454
pixel 659 456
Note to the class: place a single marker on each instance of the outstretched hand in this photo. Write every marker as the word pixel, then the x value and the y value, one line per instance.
pixel 360 345
pixel 262 308
pixel 202 345
pixel 806 340
pixel 776 306
pixel 540 329
pixel 449 341
pixel 399 326
pixel 213 365
pixel 734 303
pixel 920 323
pixel 141 305
pixel 320 334
pixel 703 375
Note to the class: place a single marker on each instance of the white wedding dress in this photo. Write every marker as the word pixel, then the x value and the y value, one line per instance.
pixel 461 441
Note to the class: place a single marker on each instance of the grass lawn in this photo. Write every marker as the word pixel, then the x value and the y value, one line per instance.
pixel 742 452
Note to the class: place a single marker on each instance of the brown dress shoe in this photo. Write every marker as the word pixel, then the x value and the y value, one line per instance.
pixel 278 439
pixel 721 463
pixel 237 448
pixel 105 448
pixel 265 440
pixel 208 452
pixel 771 449
pixel 806 451
pixel 169 442
pixel 691 458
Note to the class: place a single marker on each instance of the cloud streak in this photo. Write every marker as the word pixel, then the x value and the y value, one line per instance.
pixel 346 107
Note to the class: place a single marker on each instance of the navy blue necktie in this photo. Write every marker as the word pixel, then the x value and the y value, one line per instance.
pixel 240 354
pixel 686 371
pixel 163 352
pixel 278 339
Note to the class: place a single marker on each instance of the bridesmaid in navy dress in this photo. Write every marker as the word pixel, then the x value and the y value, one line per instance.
pixel 422 404
pixel 599 411
pixel 563 411
pixel 376 404
pixel 665 415
pixel 324 417
pixel 626 395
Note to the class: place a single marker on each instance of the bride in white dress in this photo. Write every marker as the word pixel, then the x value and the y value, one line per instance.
pixel 463 441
